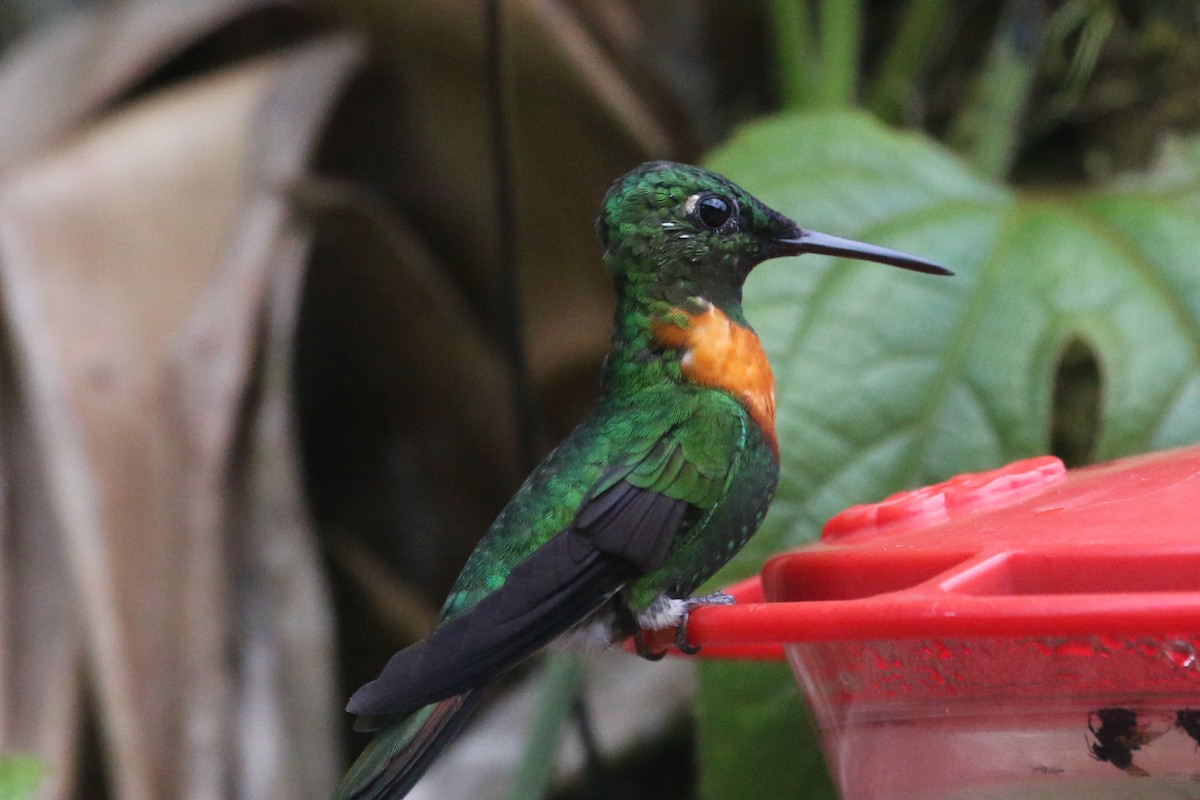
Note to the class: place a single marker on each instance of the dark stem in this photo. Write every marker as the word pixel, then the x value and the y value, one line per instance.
pixel 593 761
pixel 511 327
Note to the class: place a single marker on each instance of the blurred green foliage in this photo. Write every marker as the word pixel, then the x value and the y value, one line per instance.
pixel 19 776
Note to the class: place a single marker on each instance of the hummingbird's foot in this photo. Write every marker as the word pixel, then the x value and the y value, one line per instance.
pixel 668 612
pixel 714 599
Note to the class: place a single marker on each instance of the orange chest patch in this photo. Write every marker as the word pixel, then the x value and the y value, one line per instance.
pixel 719 353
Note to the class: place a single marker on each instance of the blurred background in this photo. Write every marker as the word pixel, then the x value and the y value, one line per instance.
pixel 292 294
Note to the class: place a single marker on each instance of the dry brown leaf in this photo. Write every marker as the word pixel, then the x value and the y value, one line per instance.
pixel 140 261
pixel 52 83
pixel 287 709
pixel 41 643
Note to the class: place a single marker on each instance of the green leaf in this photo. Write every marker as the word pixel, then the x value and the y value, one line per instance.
pixel 562 684
pixel 757 742
pixel 887 379
pixel 19 776
pixel 910 54
pixel 989 126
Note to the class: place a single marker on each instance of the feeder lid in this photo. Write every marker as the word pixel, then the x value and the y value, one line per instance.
pixel 1025 550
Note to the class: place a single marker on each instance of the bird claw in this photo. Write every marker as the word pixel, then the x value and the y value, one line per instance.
pixel 643 648
pixel 714 599
pixel 681 640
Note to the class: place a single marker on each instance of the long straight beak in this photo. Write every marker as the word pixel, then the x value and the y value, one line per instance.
pixel 813 242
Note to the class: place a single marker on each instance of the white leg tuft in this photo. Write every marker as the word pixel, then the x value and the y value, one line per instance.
pixel 664 613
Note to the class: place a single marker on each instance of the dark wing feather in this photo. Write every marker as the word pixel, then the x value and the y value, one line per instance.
pixel 631 523
pixel 554 588
pixel 617 534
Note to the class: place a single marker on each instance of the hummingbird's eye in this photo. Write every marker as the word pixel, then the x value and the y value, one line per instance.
pixel 714 210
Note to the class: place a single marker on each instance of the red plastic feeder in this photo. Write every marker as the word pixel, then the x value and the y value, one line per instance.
pixel 1025 632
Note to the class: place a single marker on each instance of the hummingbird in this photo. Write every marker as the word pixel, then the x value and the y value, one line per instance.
pixel 661 484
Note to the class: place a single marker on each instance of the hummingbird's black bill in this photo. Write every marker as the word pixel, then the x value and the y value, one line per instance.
pixel 813 242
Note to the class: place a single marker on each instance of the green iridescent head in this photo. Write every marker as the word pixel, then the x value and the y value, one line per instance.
pixel 667 225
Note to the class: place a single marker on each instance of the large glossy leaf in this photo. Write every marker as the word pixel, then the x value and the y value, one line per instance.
pixel 888 379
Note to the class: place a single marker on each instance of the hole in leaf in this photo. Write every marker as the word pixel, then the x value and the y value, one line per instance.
pixel 1075 408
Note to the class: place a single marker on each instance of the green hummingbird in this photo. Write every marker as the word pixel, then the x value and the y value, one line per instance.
pixel 661 484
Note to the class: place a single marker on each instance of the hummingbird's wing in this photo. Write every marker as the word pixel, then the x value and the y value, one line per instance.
pixel 622 529
pixel 553 589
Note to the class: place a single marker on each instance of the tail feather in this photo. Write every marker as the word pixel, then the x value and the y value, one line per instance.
pixel 403 749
